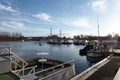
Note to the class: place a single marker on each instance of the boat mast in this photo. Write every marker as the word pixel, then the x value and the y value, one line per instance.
pixel 98 24
pixel 60 33
pixel 51 32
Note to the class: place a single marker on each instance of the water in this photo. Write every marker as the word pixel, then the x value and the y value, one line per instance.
pixel 28 50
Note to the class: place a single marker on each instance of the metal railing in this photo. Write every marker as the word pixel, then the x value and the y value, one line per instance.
pixel 18 65
pixel 31 70
pixel 5 52
pixel 53 69
pixel 16 62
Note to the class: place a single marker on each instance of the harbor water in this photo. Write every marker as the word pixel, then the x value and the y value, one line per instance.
pixel 29 50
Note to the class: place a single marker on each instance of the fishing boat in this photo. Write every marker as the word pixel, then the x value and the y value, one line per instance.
pixel 99 52
pixel 94 56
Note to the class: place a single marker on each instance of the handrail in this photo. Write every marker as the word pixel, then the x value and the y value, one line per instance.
pixel 51 68
pixel 16 63
pixel 5 54
pixel 7 49
pixel 24 63
pixel 14 58
pixel 54 66
pixel 15 55
pixel 32 69
pixel 27 68
pixel 19 58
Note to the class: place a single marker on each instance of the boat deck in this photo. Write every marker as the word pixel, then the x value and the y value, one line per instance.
pixel 106 72
pixel 8 76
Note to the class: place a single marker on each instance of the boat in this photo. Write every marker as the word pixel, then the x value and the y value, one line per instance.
pixel 85 49
pixel 15 68
pixel 94 53
pixel 54 41
pixel 99 49
pixel 94 56
pixel 65 41
pixel 93 60
pixel 98 53
pixel 79 42
pixel 59 41
pixel 76 42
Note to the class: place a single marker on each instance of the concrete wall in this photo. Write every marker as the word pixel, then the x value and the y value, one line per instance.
pixel 5 66
pixel 65 74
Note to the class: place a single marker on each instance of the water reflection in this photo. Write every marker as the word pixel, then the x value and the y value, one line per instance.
pixel 28 50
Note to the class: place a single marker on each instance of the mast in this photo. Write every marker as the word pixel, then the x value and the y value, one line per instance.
pixel 60 33
pixel 98 24
pixel 51 32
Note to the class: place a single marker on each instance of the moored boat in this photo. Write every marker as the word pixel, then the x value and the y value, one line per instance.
pixel 98 53
pixel 85 49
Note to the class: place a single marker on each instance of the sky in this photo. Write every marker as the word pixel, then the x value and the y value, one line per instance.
pixel 72 17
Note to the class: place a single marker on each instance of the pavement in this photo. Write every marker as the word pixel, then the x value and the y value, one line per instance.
pixel 108 71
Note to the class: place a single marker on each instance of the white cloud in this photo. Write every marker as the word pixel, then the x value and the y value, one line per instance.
pixel 13 25
pixel 109 21
pixel 7 8
pixel 109 15
pixel 81 22
pixel 99 5
pixel 43 16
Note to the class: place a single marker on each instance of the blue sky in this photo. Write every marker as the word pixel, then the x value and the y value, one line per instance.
pixel 73 17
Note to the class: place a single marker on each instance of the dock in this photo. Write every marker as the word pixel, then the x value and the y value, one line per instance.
pixel 106 72
pixel 107 69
